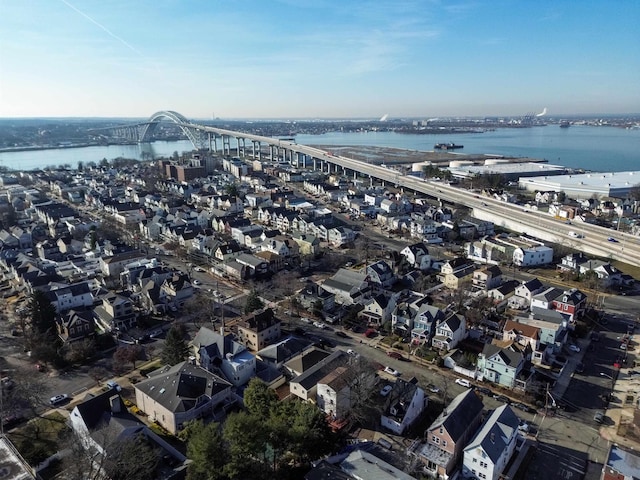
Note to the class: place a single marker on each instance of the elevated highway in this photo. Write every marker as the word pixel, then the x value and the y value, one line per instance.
pixel 593 239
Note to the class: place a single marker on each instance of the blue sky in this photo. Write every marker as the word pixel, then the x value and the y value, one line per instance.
pixel 318 58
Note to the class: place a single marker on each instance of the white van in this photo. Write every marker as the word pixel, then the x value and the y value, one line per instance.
pixel 574 234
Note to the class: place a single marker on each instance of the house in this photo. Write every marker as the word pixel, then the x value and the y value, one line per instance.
pixel 501 365
pixel 115 313
pixel 362 463
pixel 303 361
pixel 489 452
pixel 544 299
pixel 447 436
pixel 313 295
pixel 103 421
pixel 502 293
pixel 348 286
pixel 424 323
pixel 380 275
pixel 622 463
pixel 524 293
pixel 571 303
pixel 258 329
pixel 339 236
pixel 417 256
pixel 522 334
pixel 305 386
pixel 486 279
pixel 70 297
pixel 450 332
pixel 333 394
pixel 377 310
pixel 278 354
pixel 221 353
pixel 173 395
pixel 404 404
pixel 456 273
pixel 75 325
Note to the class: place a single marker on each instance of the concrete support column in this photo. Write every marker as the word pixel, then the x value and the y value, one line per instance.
pixel 271 152
pixel 209 139
pixel 238 146
pixel 226 145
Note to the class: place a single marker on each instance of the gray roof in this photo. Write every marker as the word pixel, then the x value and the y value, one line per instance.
pixel 314 374
pixel 459 414
pixel 509 356
pixel 624 461
pixel 496 433
pixel 283 350
pixel 178 388
pixel 361 464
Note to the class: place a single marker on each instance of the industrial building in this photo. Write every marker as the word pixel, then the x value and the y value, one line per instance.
pixel 586 185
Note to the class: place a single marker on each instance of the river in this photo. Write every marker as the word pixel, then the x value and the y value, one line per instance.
pixel 590 148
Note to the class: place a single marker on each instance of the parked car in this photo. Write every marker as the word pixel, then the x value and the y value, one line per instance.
pixel 580 367
pixel 392 371
pixel 623 346
pixel 574 348
pixel 352 352
pixel 395 355
pixel 58 399
pixel 318 325
pixel 484 391
pixel 599 417
pixel 464 382
pixel 370 333
pixel 341 334
pixel 113 385
pixel 503 399
pixel 156 333
pixel 386 390
pixel 523 427
pixel 433 389
pixel 300 331
pixel 196 282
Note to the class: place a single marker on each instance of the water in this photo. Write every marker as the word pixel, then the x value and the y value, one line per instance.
pixel 590 148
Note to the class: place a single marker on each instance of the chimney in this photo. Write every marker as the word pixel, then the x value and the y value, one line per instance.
pixel 114 402
pixel 493 437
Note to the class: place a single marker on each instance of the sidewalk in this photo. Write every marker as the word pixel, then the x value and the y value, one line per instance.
pixel 620 427
pixel 562 383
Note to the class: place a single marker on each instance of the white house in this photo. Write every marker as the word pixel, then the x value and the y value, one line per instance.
pixel 491 449
pixel 417 255
pixel 450 332
pixel 333 395
pixel 404 404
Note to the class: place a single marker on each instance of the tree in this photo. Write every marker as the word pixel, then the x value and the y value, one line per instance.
pixel 175 348
pixel 254 302
pixel 126 354
pixel 207 452
pixel 232 189
pixel 259 399
pixel 132 457
pixel 246 438
pixel 42 313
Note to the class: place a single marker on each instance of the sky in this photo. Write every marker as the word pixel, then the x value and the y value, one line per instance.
pixel 318 58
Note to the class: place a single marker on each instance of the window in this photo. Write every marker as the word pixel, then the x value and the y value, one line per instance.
pixel 482 475
pixel 441 430
pixel 475 460
pixel 483 464
pixel 444 443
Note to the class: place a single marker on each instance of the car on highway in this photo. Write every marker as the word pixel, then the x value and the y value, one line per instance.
pixel 611 239
pixel 392 371
pixel 463 382
pixel 386 390
pixel 58 399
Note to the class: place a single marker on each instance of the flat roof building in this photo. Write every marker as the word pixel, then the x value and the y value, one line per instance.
pixel 585 185
pixel 510 171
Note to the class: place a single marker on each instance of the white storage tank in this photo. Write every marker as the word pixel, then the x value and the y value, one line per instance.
pixel 460 163
pixel 417 167
pixel 495 161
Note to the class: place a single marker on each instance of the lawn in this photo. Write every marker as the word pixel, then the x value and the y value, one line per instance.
pixel 40 437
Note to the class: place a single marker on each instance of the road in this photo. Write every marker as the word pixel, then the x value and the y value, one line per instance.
pixel 594 238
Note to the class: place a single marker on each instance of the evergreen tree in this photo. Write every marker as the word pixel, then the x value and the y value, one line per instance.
pixel 42 313
pixel 253 302
pixel 206 450
pixel 259 399
pixel 175 347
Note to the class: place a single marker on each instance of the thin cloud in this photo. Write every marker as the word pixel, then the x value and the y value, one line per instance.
pixel 103 28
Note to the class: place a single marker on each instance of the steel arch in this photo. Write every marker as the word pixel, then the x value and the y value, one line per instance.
pixel 193 134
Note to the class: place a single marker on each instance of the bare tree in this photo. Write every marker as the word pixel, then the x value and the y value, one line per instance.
pixel 361 378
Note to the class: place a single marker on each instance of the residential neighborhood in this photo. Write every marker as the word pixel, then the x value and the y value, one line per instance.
pixel 185 305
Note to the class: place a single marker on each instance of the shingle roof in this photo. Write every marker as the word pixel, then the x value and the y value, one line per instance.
pixel 496 433
pixel 459 414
